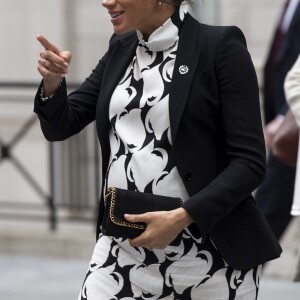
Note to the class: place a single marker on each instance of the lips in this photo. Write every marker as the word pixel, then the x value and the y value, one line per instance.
pixel 115 14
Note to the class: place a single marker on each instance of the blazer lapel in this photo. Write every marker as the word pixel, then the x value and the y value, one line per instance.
pixel 117 63
pixel 186 63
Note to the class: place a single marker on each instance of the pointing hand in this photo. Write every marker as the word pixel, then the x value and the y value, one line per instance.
pixel 52 65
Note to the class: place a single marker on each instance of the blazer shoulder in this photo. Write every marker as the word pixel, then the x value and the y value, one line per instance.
pixel 217 33
pixel 210 37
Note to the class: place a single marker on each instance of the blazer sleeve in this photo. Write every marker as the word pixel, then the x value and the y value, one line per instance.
pixel 65 115
pixel 240 119
pixel 292 90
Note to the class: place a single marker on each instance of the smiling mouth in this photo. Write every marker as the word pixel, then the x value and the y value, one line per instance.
pixel 116 14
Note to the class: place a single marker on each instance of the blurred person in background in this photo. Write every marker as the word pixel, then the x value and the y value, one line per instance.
pixel 292 92
pixel 275 195
pixel 177 112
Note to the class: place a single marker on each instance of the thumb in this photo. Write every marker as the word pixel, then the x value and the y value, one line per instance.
pixel 66 55
pixel 137 218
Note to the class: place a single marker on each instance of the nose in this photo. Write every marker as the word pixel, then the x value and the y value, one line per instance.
pixel 108 3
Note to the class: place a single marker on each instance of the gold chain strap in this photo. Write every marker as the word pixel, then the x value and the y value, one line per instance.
pixel 112 193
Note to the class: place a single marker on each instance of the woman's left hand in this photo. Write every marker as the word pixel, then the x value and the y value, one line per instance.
pixel 162 227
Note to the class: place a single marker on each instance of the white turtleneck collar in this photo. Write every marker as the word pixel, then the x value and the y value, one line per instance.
pixel 165 36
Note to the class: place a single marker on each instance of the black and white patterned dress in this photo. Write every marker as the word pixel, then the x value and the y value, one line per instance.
pixel 142 160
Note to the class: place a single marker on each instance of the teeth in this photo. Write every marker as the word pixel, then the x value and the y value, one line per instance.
pixel 116 15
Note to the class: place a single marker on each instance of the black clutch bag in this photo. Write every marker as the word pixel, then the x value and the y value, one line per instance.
pixel 119 202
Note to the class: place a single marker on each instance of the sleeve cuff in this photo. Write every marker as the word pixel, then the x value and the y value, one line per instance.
pixel 41 95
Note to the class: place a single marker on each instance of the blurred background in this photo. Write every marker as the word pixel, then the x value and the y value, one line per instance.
pixel 49 191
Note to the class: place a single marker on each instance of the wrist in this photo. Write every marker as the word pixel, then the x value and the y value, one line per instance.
pixel 182 217
pixel 49 88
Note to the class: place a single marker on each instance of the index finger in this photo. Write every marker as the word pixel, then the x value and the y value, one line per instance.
pixel 46 44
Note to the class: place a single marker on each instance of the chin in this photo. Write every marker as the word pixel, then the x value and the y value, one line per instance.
pixel 120 31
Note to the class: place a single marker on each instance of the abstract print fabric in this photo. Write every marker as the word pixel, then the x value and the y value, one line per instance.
pixel 142 160
pixel 188 269
pixel 140 139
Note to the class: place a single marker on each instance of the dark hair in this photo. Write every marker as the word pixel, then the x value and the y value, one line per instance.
pixel 178 2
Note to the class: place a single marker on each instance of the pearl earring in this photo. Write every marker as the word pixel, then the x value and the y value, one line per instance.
pixel 159 3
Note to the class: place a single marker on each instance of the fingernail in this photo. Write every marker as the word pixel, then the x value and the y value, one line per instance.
pixel 66 64
pixel 127 216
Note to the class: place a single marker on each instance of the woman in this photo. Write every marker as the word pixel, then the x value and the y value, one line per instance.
pixel 177 113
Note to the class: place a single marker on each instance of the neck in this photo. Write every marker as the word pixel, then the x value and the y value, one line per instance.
pixel 164 12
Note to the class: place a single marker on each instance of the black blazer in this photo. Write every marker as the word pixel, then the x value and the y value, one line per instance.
pixel 215 126
pixel 276 68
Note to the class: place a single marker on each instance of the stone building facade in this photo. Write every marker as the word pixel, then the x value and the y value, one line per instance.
pixel 84 28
